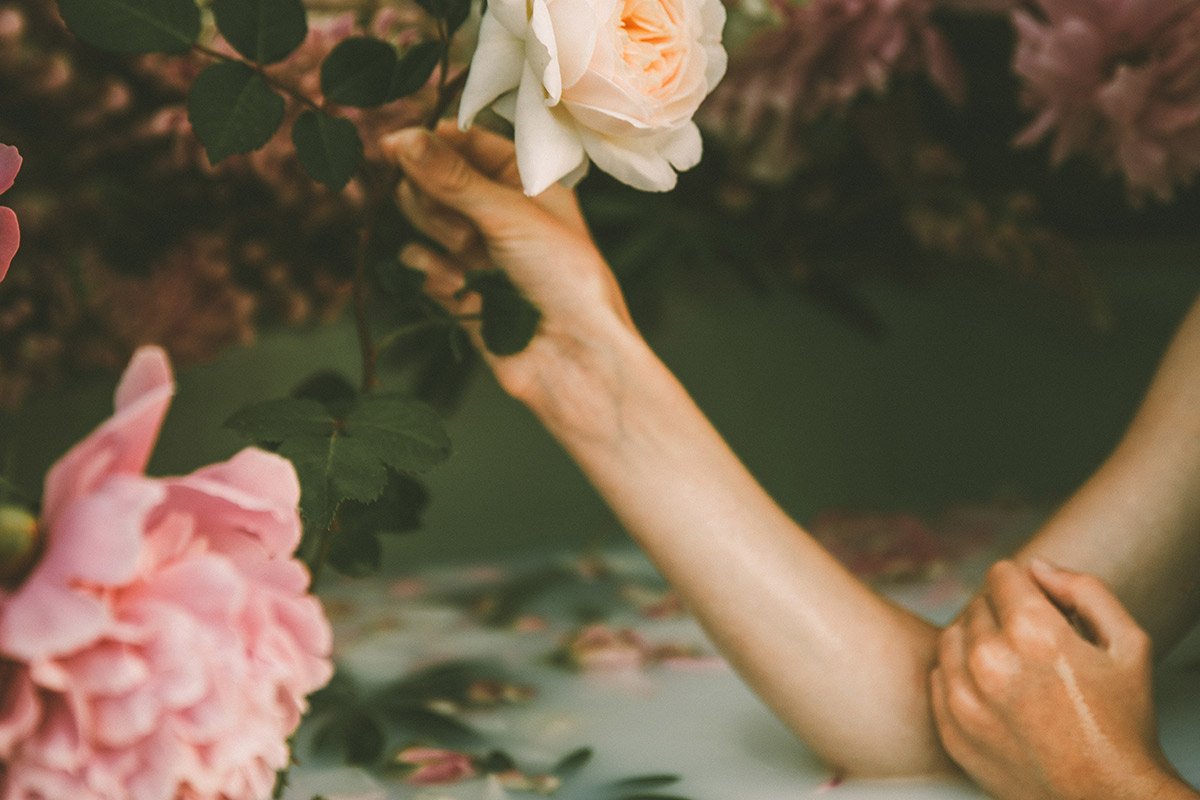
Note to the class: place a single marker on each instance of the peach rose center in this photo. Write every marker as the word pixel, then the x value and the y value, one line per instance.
pixel 652 43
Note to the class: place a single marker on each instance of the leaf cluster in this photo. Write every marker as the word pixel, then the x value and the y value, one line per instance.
pixel 355 456
pixel 235 105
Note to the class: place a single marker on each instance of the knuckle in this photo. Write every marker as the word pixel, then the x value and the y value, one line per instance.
pixel 1028 632
pixel 965 708
pixel 456 175
pixel 998 571
pixel 991 665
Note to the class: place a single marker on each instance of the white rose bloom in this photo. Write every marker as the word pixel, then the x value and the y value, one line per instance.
pixel 616 81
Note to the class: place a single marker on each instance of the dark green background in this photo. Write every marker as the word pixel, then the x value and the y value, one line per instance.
pixel 970 396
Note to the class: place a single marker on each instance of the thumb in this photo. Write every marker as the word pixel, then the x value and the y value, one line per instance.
pixel 442 173
pixel 1089 598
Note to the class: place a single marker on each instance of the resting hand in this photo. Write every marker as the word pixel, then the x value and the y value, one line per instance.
pixel 463 191
pixel 1032 709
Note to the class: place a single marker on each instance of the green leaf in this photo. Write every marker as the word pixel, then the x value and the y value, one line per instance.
pixel 328 147
pixel 645 783
pixel 399 280
pixel 455 12
pixel 356 556
pixel 413 69
pixel 398 509
pixel 134 26
pixel 572 762
pixel 355 733
pixel 346 458
pixel 264 31
pixel 509 320
pixel 359 72
pixel 233 110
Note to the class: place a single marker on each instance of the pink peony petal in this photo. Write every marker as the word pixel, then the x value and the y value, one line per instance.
pixel 10 239
pixel 121 720
pixel 45 620
pixel 248 504
pixel 123 443
pixel 10 165
pixel 107 669
pixel 19 709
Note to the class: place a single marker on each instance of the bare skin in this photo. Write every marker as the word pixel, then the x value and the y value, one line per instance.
pixel 847 670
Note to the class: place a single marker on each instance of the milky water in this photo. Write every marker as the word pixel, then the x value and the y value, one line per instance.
pixel 699 721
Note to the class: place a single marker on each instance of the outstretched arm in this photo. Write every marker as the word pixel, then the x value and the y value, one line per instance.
pixel 1136 522
pixel 841 666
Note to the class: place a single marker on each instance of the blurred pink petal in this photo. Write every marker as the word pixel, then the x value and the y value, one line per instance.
pixel 123 443
pixel 10 239
pixel 10 165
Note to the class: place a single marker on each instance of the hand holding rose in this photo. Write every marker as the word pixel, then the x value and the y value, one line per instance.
pixel 1032 710
pixel 463 190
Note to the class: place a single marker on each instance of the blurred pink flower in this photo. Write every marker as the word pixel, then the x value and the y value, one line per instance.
pixel 599 647
pixel 823 55
pixel 163 646
pixel 1117 80
pixel 435 766
pixel 10 232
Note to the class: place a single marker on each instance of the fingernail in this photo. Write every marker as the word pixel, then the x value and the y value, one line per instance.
pixel 1045 567
pixel 411 143
pixel 413 256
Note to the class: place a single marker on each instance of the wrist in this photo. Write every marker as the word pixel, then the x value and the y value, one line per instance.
pixel 583 375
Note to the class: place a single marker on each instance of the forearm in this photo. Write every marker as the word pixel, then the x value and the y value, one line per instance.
pixel 842 667
pixel 1136 523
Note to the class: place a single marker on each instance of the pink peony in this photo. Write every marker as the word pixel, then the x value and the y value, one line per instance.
pixel 1118 80
pixel 163 646
pixel 10 232
pixel 823 55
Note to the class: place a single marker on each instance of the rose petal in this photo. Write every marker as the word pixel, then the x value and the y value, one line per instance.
pixel 512 14
pixel 547 142
pixel 575 33
pixel 541 51
pixel 504 57
pixel 640 167
pixel 683 148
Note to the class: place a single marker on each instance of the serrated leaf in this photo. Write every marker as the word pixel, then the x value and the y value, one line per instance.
pixel 328 147
pixel 274 421
pixel 331 389
pixel 398 509
pixel 134 26
pixel 406 435
pixel 356 555
pixel 233 110
pixel 509 320
pixel 413 69
pixel 359 72
pixel 345 458
pixel 264 31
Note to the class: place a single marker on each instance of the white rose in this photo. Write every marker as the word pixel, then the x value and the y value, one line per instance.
pixel 614 80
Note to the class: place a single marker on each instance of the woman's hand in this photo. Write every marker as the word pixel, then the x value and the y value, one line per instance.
pixel 463 191
pixel 1034 708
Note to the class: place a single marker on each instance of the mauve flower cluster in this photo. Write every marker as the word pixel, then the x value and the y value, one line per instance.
pixel 1118 80
pixel 821 56
pixel 130 236
pixel 163 646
